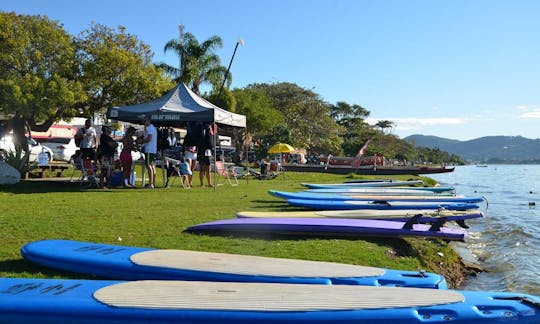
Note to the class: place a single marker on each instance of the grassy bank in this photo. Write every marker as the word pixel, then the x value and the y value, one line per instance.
pixel 157 218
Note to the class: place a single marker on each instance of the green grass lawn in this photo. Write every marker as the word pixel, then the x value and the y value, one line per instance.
pixel 157 218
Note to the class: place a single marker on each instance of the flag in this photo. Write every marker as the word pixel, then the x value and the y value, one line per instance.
pixel 356 162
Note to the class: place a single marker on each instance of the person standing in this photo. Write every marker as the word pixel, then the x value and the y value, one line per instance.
pixel 149 142
pixel 128 145
pixel 204 156
pixel 88 137
pixel 171 138
pixel 107 148
pixel 190 156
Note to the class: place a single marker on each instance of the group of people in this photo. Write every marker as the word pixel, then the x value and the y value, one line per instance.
pixel 86 139
pixel 197 149
pixel 198 145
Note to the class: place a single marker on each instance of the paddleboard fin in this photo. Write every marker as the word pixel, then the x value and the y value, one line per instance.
pixel 437 225
pixel 461 223
pixel 413 220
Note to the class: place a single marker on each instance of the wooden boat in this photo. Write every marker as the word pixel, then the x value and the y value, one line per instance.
pixel 366 170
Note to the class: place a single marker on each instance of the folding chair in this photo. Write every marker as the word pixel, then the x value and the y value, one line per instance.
pixel 178 169
pixel 226 173
pixel 239 172
pixel 89 174
pixel 77 167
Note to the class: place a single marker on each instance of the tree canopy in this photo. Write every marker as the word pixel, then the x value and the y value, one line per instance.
pixel 47 75
pixel 199 64
pixel 116 69
pixel 306 117
pixel 38 70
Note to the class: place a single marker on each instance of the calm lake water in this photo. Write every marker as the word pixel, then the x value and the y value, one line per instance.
pixel 505 243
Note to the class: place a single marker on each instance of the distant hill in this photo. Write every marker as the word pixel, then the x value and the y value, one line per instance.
pixel 489 149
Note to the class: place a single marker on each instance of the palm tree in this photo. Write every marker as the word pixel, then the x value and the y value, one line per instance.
pixel 198 62
pixel 384 124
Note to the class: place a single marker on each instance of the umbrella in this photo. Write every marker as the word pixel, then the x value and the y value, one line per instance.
pixel 280 148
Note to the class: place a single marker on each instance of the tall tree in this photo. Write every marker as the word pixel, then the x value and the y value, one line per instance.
pixel 384 124
pixel 355 130
pixel 116 69
pixel 38 71
pixel 349 116
pixel 199 64
pixel 262 119
pixel 306 117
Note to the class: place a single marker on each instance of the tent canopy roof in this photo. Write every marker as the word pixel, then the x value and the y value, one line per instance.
pixel 176 107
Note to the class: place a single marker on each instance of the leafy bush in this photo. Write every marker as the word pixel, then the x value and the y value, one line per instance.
pixel 19 160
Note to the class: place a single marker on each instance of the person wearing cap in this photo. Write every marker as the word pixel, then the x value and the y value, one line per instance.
pixel 149 142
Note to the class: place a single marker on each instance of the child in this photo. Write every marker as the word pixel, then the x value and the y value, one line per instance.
pixel 185 171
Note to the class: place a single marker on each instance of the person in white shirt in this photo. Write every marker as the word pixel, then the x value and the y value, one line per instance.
pixel 149 142
pixel 171 138
pixel 88 137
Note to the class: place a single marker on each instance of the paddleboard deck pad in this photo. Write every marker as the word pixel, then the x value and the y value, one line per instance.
pixel 335 227
pixel 426 216
pixel 48 301
pixel 134 263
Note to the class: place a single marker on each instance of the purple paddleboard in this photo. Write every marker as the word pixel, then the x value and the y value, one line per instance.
pixel 329 227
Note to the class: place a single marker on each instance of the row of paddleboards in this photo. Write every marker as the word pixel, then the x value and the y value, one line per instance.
pixel 351 215
pixel 175 286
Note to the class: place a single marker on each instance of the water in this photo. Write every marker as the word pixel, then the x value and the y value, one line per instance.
pixel 506 242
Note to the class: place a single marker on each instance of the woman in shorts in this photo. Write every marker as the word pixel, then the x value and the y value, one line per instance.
pixel 190 156
pixel 125 157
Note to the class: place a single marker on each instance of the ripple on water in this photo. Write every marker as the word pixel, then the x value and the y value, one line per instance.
pixel 505 241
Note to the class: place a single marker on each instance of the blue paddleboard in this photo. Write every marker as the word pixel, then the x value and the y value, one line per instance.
pixel 382 205
pixel 47 301
pixel 134 263
pixel 319 196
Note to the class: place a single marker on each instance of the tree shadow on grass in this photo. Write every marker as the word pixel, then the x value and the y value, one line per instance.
pixel 399 246
pixel 28 187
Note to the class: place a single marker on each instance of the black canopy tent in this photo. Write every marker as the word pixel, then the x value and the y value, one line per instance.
pixel 175 108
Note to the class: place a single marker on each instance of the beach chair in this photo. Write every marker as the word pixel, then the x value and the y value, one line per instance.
pixel 77 168
pixel 90 178
pixel 177 169
pixel 227 173
pixel 239 172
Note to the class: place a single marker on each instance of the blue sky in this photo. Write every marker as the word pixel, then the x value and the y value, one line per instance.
pixel 459 69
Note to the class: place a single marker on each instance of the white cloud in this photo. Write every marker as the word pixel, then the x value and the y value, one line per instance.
pixel 529 113
pixel 418 123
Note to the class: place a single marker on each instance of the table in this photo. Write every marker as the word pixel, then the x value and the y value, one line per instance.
pixel 161 163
